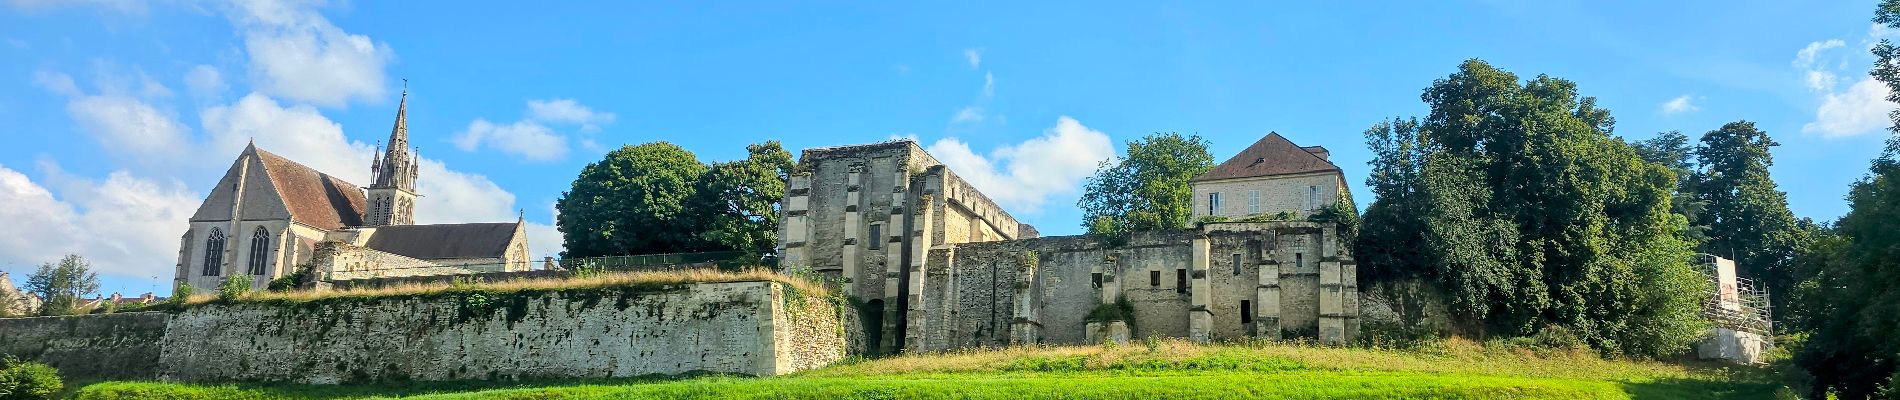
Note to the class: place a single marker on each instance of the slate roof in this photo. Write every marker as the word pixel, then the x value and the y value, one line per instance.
pixel 1272 155
pixel 445 241
pixel 314 198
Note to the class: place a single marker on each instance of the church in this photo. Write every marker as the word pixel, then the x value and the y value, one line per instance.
pixel 269 216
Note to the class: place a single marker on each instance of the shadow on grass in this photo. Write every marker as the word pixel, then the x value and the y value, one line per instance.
pixel 1673 388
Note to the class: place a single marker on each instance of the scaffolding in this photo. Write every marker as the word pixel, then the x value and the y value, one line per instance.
pixel 1737 303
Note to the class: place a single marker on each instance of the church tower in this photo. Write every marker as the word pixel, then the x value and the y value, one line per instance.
pixel 392 198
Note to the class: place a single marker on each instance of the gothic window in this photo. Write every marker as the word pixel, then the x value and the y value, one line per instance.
pixel 214 252
pixel 260 250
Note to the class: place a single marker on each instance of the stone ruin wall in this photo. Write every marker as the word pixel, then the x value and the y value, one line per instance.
pixel 989 295
pixel 752 328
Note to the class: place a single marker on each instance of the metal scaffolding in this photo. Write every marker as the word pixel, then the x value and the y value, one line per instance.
pixel 1740 304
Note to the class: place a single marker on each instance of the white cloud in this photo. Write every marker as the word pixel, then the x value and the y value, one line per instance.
pixel 1861 109
pixel 989 84
pixel 526 138
pixel 1805 58
pixel 1023 176
pixel 130 127
pixel 974 56
pixel 297 54
pixel 968 114
pixel 58 83
pixel 1680 104
pixel 570 112
pixel 1820 81
pixel 204 81
pixel 299 133
pixel 127 226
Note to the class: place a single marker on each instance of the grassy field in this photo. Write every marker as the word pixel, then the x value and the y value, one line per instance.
pixel 1164 369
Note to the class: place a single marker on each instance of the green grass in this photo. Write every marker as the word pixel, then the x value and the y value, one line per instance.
pixel 1165 369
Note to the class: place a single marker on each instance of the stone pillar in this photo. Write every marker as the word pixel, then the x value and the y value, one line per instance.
pixel 1332 292
pixel 920 239
pixel 1266 317
pixel 1025 327
pixel 893 235
pixel 853 203
pixel 795 227
pixel 1200 293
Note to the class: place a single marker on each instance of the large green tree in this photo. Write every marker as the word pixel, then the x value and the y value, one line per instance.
pixel 1517 199
pixel 1148 188
pixel 1850 305
pixel 61 284
pixel 634 201
pixel 1673 149
pixel 1747 216
pixel 739 200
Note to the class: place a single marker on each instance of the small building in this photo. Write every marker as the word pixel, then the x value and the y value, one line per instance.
pixel 1270 177
pixel 268 216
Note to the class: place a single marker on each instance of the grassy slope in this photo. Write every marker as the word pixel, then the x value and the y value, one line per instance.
pixel 1165 369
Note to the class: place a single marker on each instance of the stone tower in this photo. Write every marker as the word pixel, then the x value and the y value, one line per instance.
pixel 392 198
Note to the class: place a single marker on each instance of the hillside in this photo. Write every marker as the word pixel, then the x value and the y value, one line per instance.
pixel 1156 369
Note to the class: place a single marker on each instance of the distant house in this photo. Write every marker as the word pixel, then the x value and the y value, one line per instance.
pixel 1272 176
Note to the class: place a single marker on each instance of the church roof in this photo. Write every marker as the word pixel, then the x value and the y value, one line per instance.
pixel 445 241
pixel 313 198
pixel 1272 155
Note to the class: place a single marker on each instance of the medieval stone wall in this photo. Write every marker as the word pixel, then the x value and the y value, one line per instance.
pixel 754 328
pixel 101 346
pixel 1221 282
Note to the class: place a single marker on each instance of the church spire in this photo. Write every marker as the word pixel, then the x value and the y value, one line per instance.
pixel 392 196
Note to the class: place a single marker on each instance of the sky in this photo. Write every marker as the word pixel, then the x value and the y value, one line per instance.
pixel 121 114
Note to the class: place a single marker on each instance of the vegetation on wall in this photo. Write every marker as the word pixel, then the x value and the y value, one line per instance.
pixel 61 284
pixel 659 198
pixel 1147 189
pixel 1516 197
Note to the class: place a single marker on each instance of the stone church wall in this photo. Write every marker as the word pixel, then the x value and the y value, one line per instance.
pixel 753 328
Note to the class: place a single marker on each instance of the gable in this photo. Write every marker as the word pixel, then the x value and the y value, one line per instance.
pixel 276 188
pixel 261 200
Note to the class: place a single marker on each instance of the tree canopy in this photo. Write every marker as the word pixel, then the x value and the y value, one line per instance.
pixel 61 284
pixel 659 198
pixel 1516 198
pixel 1147 189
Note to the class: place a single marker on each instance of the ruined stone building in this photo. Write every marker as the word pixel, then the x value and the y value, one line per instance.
pixel 937 265
pixel 269 215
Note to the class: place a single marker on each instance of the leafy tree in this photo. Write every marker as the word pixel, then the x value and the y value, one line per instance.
pixel 60 285
pixel 740 199
pixel 1673 149
pixel 634 201
pixel 1516 198
pixel 1747 217
pixel 1148 189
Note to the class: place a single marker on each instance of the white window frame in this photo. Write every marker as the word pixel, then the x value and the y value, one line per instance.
pixel 1312 197
pixel 1253 202
pixel 1213 203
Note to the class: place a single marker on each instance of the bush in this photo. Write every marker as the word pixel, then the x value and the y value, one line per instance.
pixel 234 287
pixel 26 380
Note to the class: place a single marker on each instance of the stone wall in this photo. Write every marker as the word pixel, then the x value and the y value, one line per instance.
pixel 1221 282
pixel 1283 193
pixel 752 328
pixel 102 346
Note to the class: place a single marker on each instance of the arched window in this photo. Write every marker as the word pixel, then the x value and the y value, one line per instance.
pixel 260 250
pixel 214 252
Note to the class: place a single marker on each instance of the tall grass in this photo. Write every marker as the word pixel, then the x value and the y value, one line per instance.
pixel 588 281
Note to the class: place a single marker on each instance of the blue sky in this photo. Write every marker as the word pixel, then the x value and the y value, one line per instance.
pixel 121 114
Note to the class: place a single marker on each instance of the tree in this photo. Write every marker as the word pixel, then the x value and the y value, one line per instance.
pixel 1747 217
pixel 1849 304
pixel 1148 189
pixel 740 200
pixel 1516 198
pixel 634 201
pixel 62 284
pixel 1672 149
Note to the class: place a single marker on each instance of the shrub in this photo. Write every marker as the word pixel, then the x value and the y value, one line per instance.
pixel 180 294
pixel 234 287
pixel 26 380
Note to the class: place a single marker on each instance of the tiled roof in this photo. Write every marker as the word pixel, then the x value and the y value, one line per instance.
pixel 314 198
pixel 445 241
pixel 1272 155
